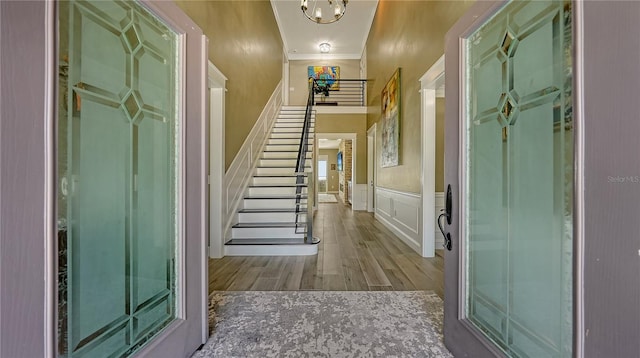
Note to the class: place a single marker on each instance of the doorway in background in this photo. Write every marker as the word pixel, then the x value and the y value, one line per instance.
pixel 323 161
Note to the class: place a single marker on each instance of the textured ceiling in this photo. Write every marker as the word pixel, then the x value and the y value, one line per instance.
pixel 347 36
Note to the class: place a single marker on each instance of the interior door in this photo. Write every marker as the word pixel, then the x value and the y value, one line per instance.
pixel 323 178
pixel 131 269
pixel 509 164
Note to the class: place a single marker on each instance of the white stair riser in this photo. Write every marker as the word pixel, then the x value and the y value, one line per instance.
pixel 293 114
pixel 295 141
pixel 275 191
pixel 296 135
pixel 290 123
pixel 271 203
pixel 286 130
pixel 270 217
pixel 281 169
pixel 292 132
pixel 278 162
pixel 286 135
pixel 295 147
pixel 265 232
pixel 275 180
pixel 283 155
pixel 286 121
pixel 270 250
pixel 275 171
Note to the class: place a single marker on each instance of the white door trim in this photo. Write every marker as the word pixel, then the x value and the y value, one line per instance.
pixel 430 83
pixel 217 89
pixel 371 167
pixel 353 138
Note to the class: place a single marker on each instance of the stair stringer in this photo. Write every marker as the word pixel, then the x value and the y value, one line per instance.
pixel 250 151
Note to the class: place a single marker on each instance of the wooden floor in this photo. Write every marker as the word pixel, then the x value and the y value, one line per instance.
pixel 356 253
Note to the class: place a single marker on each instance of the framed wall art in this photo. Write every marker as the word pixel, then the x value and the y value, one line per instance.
pixel 325 76
pixel 391 116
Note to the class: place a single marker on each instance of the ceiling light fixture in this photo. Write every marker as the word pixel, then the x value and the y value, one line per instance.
pixel 332 7
pixel 325 47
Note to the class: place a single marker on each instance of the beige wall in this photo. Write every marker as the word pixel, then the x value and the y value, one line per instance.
pixel 245 44
pixel 348 123
pixel 409 35
pixel 298 85
pixel 332 175
pixel 440 144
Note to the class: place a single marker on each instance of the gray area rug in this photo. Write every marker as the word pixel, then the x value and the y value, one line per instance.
pixel 325 324
pixel 327 198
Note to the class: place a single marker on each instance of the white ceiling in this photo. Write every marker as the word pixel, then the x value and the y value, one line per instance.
pixel 329 143
pixel 301 36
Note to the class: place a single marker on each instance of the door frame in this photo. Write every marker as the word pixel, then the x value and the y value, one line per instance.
pixel 371 168
pixel 460 336
pixel 430 82
pixel 27 229
pixel 28 268
pixel 350 136
pixel 217 195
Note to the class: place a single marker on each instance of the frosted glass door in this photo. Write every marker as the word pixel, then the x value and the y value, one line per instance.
pixel 519 179
pixel 118 170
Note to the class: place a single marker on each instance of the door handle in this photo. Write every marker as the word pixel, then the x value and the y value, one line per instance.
pixel 446 214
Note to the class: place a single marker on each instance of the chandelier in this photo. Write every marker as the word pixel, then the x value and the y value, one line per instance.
pixel 334 6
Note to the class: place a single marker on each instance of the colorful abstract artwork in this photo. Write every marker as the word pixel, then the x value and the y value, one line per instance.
pixel 325 76
pixel 391 122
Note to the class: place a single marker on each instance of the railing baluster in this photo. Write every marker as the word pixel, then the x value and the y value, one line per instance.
pixel 350 93
pixel 300 173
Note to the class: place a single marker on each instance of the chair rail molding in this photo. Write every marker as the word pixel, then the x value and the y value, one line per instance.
pixel 431 83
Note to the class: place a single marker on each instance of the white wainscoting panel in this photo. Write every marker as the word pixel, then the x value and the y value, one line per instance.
pixel 359 197
pixel 241 170
pixel 383 203
pixel 439 206
pixel 400 212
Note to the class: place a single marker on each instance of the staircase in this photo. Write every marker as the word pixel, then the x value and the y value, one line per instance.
pixel 273 216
